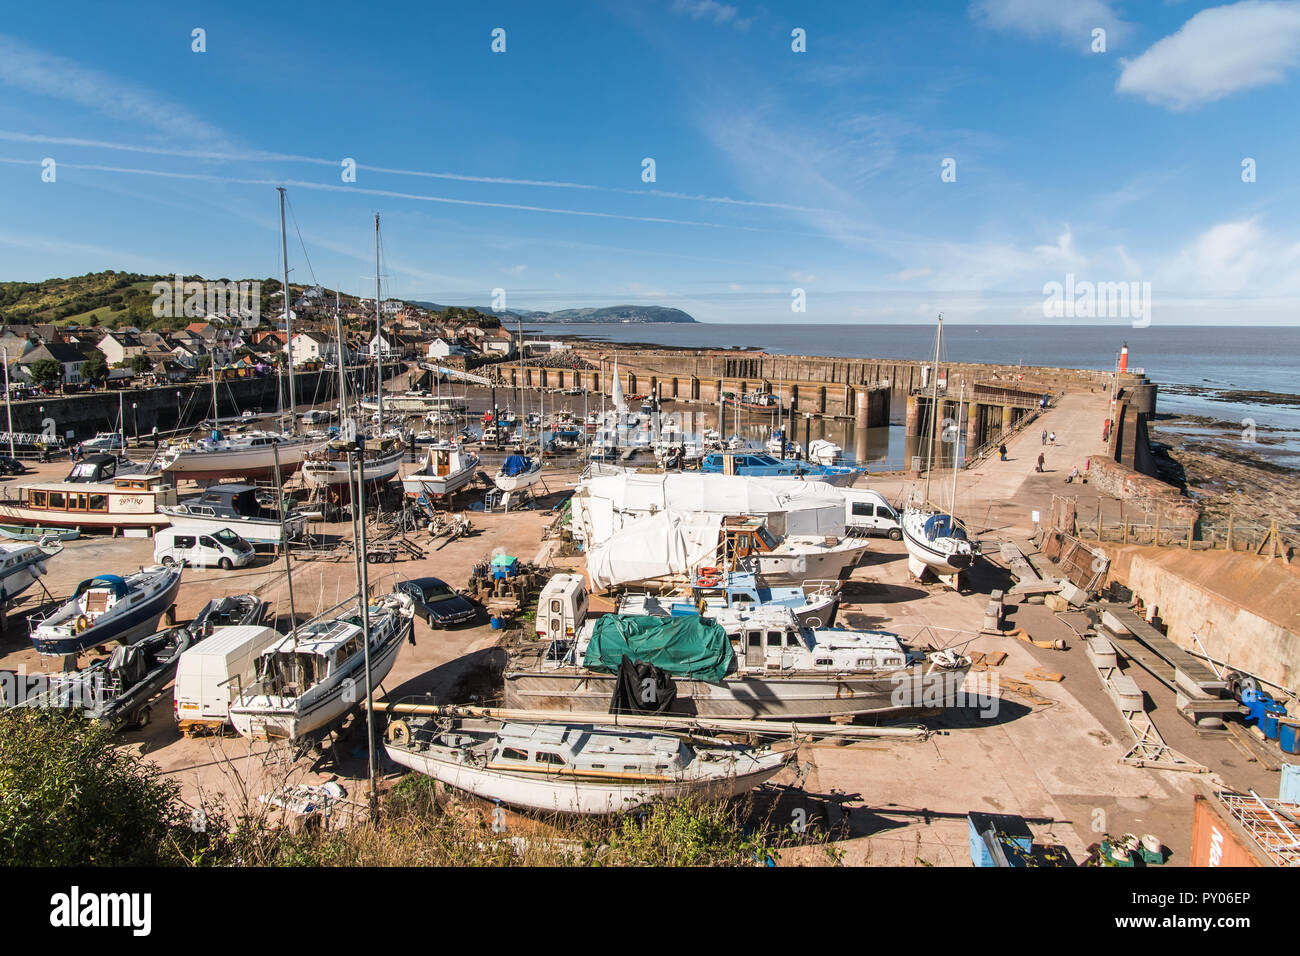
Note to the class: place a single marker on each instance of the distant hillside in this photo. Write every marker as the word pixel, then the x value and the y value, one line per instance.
pixel 610 313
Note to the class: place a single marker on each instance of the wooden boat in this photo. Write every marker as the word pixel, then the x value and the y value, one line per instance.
pixel 575 768
pixel 314 676
pixel 108 608
pixel 769 667
pixel 126 502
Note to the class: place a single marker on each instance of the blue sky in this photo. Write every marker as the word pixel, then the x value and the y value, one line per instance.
pixel 775 170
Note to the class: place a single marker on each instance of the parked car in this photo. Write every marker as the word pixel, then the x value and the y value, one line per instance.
pixel 11 466
pixel 438 603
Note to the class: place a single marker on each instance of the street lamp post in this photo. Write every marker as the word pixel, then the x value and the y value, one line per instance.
pixel 135 419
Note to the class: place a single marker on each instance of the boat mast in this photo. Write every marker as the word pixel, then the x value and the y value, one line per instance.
pixel 288 323
pixel 934 407
pixel 956 444
pixel 523 424
pixel 9 409
pixel 363 594
pixel 338 328
pixel 379 336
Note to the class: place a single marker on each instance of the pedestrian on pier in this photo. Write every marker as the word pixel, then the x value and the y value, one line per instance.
pixel 1002 450
pixel 1044 436
pixel 1041 459
pixel 1052 438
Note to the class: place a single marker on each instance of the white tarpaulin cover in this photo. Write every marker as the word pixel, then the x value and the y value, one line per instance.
pixel 654 546
pixel 603 504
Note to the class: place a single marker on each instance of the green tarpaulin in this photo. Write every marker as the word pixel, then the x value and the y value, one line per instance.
pixel 683 646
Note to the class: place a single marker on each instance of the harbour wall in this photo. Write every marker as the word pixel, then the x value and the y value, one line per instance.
pixel 1243 607
pixel 173 407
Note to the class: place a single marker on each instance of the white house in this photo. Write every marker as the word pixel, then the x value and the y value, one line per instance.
pixel 389 345
pixel 312 346
pixel 440 348
pixel 119 347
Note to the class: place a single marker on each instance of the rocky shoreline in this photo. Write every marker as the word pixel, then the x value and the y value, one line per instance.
pixel 1226 474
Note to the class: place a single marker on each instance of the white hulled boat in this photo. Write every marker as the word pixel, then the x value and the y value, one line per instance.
pixel 517 472
pixel 311 678
pixel 328 467
pixel 22 564
pixel 575 768
pixel 447 468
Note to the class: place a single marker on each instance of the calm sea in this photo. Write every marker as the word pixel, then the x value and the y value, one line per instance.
pixel 1194 365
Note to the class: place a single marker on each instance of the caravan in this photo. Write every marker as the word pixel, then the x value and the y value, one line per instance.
pixel 561 607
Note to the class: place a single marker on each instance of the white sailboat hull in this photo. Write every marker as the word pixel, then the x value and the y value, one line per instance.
pixel 328 473
pixel 558 793
pixel 518 482
pixel 255 462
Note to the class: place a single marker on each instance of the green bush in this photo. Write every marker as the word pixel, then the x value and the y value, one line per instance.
pixel 69 796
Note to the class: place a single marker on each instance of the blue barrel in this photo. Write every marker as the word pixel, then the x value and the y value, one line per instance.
pixel 1269 724
pixel 1288 736
pixel 498 623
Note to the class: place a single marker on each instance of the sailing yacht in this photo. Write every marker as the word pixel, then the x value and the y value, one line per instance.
pixel 935 538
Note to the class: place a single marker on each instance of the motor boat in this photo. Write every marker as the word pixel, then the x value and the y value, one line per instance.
pixel 108 608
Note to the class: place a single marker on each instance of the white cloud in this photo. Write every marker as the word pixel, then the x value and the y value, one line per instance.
pixel 49 75
pixel 908 275
pixel 514 270
pixel 1069 20
pixel 1218 52
pixel 719 13
pixel 1239 256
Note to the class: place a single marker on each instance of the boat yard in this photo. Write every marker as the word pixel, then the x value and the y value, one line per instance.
pixel 1039 736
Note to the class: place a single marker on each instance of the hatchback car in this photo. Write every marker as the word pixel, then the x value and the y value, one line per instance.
pixel 438 603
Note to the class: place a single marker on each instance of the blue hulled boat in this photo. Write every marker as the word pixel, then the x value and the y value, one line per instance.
pixel 107 609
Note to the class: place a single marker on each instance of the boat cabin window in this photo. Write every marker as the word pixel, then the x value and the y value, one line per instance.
pixel 544 756
pixel 773 638
pixel 38 499
pixel 755 639
pixel 766 538
pixel 57 500
pixel 824 661
pixel 744 596
pixel 513 753
pixel 97 503
pixel 791 639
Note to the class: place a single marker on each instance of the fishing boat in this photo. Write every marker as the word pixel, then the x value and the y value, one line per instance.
pixel 517 472
pixel 248 511
pixel 22 564
pixel 108 608
pixel 309 679
pixel 737 596
pixel 771 667
pixel 575 768
pixel 936 539
pixel 19 532
pixel 128 502
pixel 447 467
pixel 117 690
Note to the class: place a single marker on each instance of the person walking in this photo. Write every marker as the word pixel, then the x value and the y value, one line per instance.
pixel 1044 436
pixel 1002 450
pixel 1041 459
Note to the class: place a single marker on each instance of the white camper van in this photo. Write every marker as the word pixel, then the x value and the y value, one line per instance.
pixel 211 673
pixel 201 549
pixel 561 607
pixel 867 512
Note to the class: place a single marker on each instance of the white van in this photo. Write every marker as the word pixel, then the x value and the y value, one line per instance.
pixel 201 549
pixel 867 512
pixel 561 607
pixel 211 672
